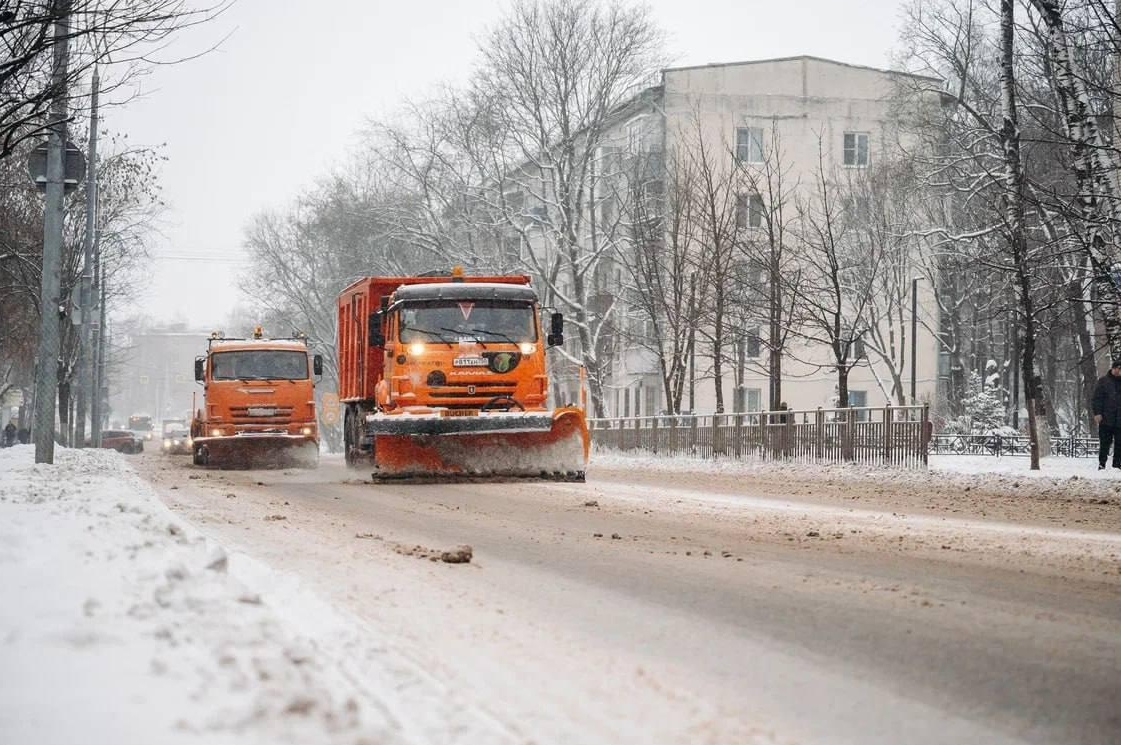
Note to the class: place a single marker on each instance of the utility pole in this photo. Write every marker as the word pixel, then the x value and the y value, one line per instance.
pixel 99 399
pixel 46 383
pixel 85 348
pixel 98 346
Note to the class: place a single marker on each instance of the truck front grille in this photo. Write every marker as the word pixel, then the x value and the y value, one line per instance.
pixel 260 413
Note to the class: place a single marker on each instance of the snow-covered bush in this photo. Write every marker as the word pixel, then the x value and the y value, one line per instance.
pixel 984 407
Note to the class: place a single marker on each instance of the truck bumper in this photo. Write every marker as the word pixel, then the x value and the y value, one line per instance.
pixel 251 447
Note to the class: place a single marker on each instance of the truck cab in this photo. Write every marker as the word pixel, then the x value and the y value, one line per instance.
pixel 462 347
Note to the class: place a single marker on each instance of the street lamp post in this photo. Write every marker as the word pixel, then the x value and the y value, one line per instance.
pixel 85 353
pixel 914 337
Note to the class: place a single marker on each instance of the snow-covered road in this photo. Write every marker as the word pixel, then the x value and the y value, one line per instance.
pixel 661 602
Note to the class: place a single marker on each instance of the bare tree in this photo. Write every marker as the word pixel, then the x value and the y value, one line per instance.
pixel 660 253
pixel 837 284
pixel 1015 218
pixel 301 258
pixel 768 200
pixel 560 70
pixel 129 35
pixel 881 205
pixel 719 216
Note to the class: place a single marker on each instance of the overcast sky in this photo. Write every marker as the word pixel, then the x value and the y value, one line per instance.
pixel 248 125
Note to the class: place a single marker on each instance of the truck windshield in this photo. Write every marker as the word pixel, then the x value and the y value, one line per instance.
pixel 262 364
pixel 468 320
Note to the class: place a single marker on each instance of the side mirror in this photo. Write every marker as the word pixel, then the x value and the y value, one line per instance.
pixel 200 372
pixel 556 330
pixel 377 338
pixel 317 364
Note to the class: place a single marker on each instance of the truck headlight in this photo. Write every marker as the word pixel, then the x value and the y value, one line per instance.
pixel 215 432
pixel 416 348
pixel 527 347
pixel 167 443
pixel 307 430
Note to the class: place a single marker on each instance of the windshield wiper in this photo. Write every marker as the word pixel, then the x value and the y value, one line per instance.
pixel 430 332
pixel 504 337
pixel 477 341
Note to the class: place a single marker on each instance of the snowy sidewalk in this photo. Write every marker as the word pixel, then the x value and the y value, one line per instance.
pixel 1076 477
pixel 121 624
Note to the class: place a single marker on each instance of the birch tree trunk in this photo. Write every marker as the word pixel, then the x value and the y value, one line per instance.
pixel 1015 222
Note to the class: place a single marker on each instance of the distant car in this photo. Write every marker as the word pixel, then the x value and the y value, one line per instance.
pixel 172 425
pixel 177 442
pixel 121 440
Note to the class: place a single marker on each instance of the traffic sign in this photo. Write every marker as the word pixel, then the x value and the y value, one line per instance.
pixel 74 166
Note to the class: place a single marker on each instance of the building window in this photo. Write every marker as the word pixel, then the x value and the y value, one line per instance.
pixel 749 144
pixel 749 211
pixel 651 192
pixel 747 399
pixel 636 137
pixel 858 351
pixel 752 344
pixel 857 400
pixel 856 149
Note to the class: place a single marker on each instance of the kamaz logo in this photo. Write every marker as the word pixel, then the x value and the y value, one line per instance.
pixel 471 390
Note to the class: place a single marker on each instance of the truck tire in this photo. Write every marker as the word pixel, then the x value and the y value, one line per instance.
pixel 355 456
pixel 200 455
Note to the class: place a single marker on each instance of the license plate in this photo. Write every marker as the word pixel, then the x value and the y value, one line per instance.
pixel 469 362
pixel 261 411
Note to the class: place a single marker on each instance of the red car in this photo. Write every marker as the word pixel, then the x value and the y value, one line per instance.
pixel 120 440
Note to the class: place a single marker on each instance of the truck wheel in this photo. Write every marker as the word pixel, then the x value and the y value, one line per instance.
pixel 353 422
pixel 348 436
pixel 201 456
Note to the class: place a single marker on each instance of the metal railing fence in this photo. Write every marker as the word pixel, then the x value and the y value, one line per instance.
pixel 885 435
pixel 1071 446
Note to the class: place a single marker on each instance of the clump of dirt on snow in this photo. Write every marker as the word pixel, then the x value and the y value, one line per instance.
pixel 458 555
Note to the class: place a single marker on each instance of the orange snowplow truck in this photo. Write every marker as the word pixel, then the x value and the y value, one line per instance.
pixel 445 376
pixel 258 402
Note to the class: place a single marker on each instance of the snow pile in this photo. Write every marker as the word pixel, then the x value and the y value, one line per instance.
pixel 121 624
pixel 1072 478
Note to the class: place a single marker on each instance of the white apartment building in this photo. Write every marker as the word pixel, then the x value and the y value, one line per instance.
pixel 846 111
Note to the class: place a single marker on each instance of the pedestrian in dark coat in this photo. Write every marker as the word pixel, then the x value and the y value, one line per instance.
pixel 9 435
pixel 1106 405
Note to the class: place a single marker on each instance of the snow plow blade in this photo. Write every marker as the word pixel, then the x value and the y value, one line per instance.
pixel 551 445
pixel 252 450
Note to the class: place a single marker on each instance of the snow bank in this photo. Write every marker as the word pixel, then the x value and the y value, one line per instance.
pixel 1068 477
pixel 121 624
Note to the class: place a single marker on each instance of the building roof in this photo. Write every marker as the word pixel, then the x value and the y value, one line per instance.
pixel 802 57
